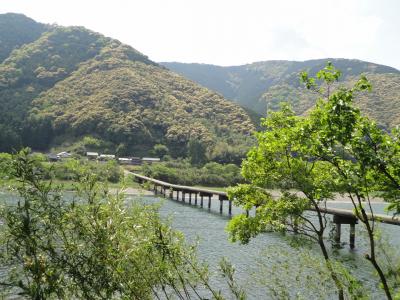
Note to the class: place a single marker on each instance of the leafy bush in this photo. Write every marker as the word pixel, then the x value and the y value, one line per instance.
pixel 5 161
pixel 160 150
pixel 67 170
pixel 94 247
pixel 182 172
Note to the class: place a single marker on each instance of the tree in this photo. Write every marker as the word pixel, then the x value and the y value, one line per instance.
pixel 278 161
pixel 333 149
pixel 160 150
pixel 5 161
pixel 10 140
pixel 37 132
pixel 197 152
pixel 93 246
pixel 364 157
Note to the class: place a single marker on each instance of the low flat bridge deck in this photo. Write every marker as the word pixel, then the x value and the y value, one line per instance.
pixel 340 216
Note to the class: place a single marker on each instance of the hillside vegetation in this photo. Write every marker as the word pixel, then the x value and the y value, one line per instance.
pixel 263 85
pixel 17 30
pixel 71 82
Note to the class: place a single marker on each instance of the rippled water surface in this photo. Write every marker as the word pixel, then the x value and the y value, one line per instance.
pixel 209 228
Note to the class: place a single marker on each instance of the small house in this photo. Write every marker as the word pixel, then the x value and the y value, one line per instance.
pixel 124 161
pixel 53 157
pixel 106 157
pixel 64 154
pixel 150 160
pixel 92 155
pixel 136 161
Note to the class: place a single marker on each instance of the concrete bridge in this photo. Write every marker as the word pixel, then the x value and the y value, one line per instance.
pixel 184 193
pixel 197 196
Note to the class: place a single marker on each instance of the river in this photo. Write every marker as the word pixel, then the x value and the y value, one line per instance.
pixel 267 260
pixel 270 251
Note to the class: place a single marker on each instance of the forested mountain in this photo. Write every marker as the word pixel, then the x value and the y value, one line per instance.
pixel 263 85
pixel 16 30
pixel 70 82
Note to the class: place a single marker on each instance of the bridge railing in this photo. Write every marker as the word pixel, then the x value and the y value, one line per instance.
pixel 178 187
pixel 332 211
pixel 340 216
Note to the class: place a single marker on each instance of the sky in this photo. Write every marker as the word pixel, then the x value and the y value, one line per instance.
pixel 234 32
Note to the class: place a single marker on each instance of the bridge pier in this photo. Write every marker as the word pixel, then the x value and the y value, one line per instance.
pixel 230 208
pixel 201 200
pixel 352 235
pixel 338 232
pixel 339 220
pixel 222 198
pixel 209 195
pixel 190 198
pixel 195 199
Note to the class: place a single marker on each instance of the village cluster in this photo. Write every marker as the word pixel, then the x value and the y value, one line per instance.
pixel 106 157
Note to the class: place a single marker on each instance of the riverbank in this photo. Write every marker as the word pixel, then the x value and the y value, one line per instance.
pixel 133 188
pixel 337 197
pixel 131 191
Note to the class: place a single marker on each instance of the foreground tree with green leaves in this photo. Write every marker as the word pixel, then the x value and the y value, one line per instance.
pixel 332 150
pixel 94 246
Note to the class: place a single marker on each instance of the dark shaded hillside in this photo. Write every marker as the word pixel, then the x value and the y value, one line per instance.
pixel 71 82
pixel 36 67
pixel 16 30
pixel 263 85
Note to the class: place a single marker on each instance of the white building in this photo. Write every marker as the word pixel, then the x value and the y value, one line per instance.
pixel 150 160
pixel 92 155
pixel 64 154
pixel 124 161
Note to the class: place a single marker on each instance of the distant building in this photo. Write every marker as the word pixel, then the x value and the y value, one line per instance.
pixel 64 154
pixel 136 161
pixel 53 157
pixel 92 155
pixel 124 161
pixel 106 157
pixel 150 160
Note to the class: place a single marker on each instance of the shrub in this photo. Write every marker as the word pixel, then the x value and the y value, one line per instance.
pixel 182 172
pixel 94 247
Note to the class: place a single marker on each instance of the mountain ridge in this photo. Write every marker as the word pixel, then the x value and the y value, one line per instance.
pixel 71 82
pixel 263 85
pixel 279 61
pixel 16 30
